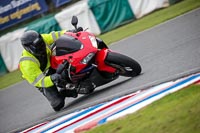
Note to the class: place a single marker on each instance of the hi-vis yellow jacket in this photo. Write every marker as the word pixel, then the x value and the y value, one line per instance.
pixel 30 65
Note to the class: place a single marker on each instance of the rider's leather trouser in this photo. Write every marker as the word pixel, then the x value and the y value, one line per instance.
pixel 95 79
pixel 53 96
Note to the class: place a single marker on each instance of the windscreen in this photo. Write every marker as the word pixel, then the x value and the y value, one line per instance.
pixel 67 44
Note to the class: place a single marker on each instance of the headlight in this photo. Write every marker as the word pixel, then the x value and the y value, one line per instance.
pixel 87 58
pixel 93 40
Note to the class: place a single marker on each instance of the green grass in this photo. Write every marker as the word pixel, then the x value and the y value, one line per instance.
pixel 150 20
pixel 10 79
pixel 144 23
pixel 176 113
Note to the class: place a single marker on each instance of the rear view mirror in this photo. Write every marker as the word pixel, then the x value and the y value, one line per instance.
pixel 74 21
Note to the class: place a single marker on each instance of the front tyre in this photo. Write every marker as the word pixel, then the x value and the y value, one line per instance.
pixel 125 65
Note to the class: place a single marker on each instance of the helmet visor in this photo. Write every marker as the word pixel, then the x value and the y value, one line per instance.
pixel 38 47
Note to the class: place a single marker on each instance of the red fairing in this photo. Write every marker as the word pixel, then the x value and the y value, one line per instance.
pixel 75 58
pixel 100 58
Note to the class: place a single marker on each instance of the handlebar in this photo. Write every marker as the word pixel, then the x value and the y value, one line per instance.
pixel 62 66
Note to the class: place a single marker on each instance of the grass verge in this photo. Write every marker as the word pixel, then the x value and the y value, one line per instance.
pixel 150 20
pixel 10 79
pixel 175 113
pixel 144 23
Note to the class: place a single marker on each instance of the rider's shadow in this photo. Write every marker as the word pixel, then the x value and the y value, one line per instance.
pixel 97 92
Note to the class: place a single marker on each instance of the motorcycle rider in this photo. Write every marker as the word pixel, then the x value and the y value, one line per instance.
pixel 35 66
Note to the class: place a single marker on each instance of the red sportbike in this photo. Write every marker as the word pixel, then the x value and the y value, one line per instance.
pixel 81 53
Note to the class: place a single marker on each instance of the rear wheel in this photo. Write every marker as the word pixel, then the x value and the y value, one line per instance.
pixel 125 65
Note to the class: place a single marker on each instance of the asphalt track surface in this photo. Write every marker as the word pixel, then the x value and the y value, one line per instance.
pixel 168 51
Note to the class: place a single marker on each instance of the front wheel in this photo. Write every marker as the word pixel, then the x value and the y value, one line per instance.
pixel 125 65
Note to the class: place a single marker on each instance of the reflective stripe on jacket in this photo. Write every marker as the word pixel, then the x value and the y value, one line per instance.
pixel 52 37
pixel 30 66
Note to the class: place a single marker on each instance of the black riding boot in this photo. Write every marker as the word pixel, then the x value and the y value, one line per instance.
pixel 68 93
pixel 55 99
pixel 95 79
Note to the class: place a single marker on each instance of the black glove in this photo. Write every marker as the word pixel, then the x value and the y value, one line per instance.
pixel 59 78
pixel 65 76
pixel 56 78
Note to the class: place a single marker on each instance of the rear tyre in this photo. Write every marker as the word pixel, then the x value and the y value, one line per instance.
pixel 125 65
